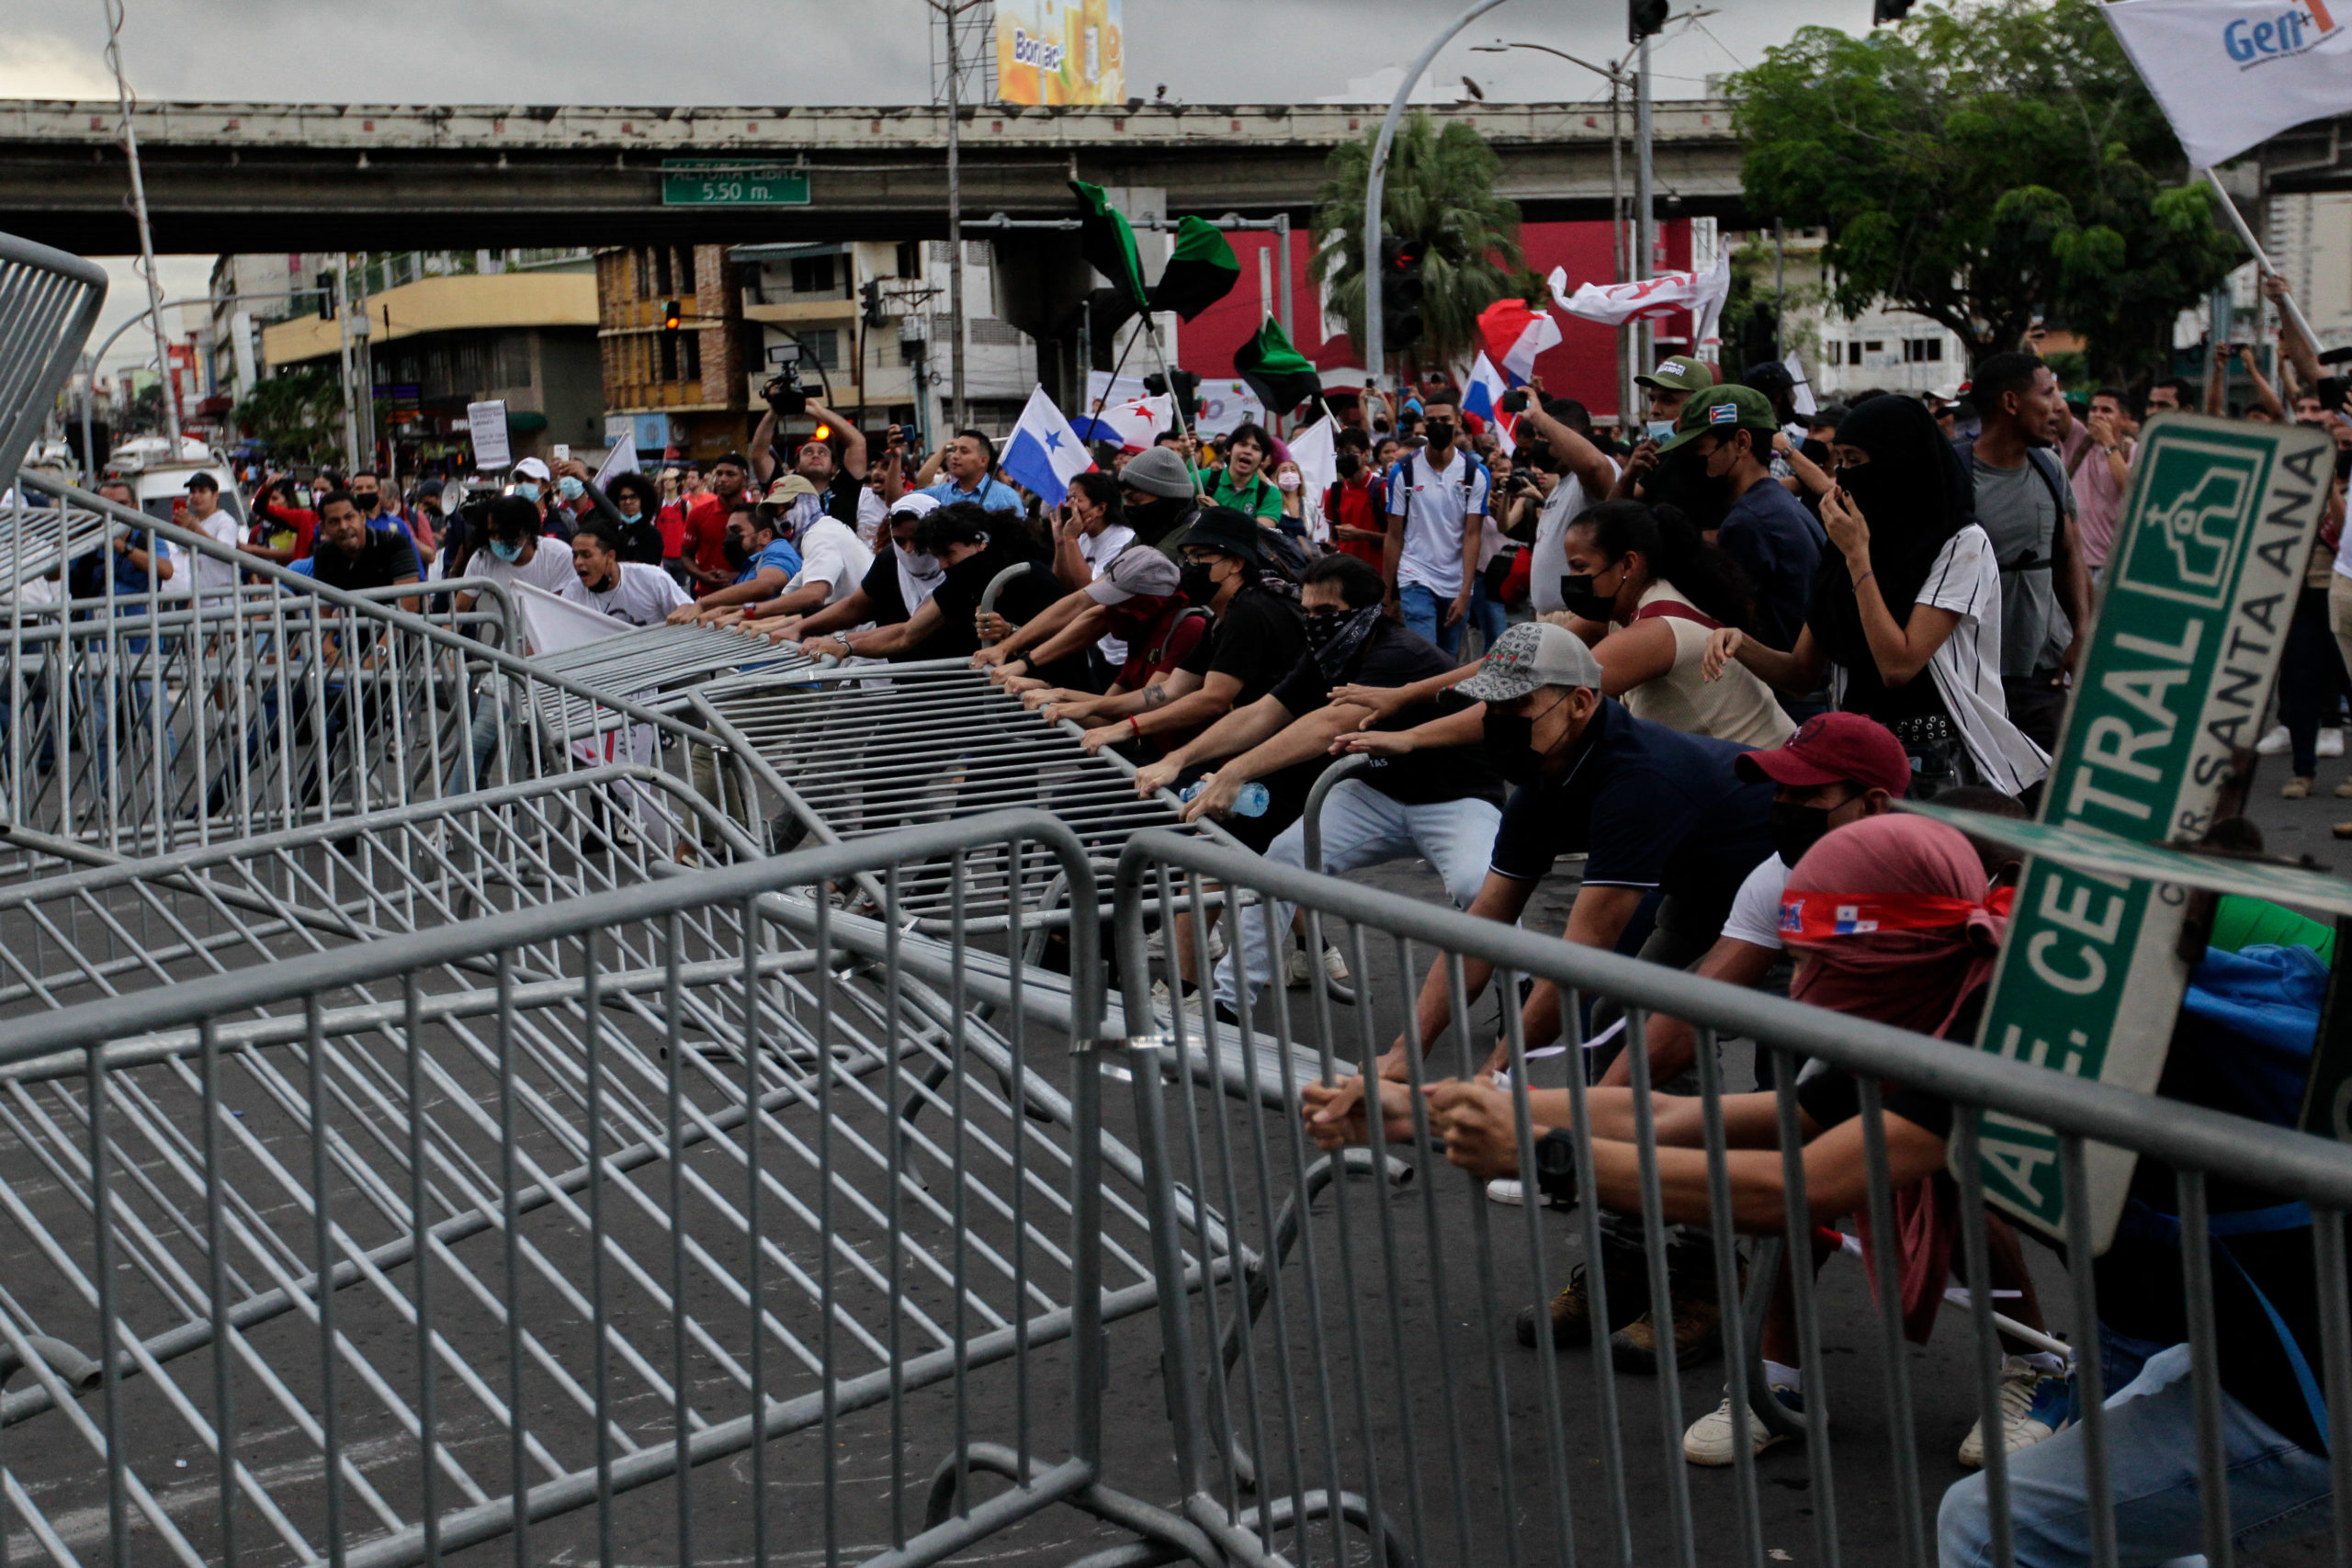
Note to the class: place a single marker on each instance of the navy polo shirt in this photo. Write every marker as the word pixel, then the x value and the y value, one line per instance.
pixel 1778 543
pixel 1649 806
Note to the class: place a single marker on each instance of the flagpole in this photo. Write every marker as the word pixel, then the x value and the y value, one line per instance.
pixel 2287 305
pixel 1175 404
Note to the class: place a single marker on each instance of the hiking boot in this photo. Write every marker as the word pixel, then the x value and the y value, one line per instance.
pixel 1698 1324
pixel 1570 1312
pixel 2034 1406
pixel 1708 1440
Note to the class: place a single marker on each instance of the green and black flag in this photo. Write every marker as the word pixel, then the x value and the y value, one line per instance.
pixel 1201 271
pixel 1106 241
pixel 1281 376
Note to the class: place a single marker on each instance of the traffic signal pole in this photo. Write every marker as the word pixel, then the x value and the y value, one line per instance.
pixel 1373 348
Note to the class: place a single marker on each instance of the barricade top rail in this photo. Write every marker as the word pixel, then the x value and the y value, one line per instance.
pixel 49 302
pixel 2181 1134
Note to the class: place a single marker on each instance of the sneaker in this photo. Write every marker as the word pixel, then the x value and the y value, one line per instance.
pixel 1508 1190
pixel 2033 1409
pixel 1294 969
pixel 2273 744
pixel 1708 1440
pixel 1335 966
pixel 2330 743
pixel 2295 789
pixel 2343 790
pixel 1698 1324
pixel 2342 830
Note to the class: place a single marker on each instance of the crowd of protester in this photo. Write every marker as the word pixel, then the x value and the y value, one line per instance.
pixel 1707 661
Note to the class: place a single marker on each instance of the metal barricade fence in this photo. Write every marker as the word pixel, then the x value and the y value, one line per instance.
pixel 138 723
pixel 603 1188
pixel 48 301
pixel 1347 1356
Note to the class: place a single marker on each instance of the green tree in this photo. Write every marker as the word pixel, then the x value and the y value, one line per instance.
pixel 1983 165
pixel 295 412
pixel 1441 191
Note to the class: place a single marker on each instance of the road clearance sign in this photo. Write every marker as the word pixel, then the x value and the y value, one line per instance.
pixel 2208 560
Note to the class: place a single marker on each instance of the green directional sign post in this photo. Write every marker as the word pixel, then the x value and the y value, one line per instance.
pixel 703 181
pixel 2200 585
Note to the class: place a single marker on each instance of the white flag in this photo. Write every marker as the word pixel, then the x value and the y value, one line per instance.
pixel 1801 391
pixel 1613 304
pixel 2230 74
pixel 1315 451
pixel 621 461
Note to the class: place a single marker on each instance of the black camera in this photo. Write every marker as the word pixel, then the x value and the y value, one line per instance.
pixel 785 395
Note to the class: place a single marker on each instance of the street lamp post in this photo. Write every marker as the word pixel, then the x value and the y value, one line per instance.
pixel 156 309
pixel 1615 74
pixel 1373 346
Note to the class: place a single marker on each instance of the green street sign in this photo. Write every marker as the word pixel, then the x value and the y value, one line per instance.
pixel 698 182
pixel 2202 582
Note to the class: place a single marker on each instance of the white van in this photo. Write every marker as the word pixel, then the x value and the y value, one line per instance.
pixel 158 478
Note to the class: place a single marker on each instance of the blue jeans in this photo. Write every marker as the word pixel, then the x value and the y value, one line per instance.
pixel 2277 1490
pixel 1425 615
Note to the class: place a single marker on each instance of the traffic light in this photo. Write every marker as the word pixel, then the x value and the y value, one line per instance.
pixel 1647 18
pixel 671 315
pixel 1188 390
pixel 869 294
pixel 1888 10
pixel 324 283
pixel 1400 292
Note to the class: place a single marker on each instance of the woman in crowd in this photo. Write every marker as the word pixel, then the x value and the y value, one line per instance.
pixel 1646 592
pixel 1293 484
pixel 637 503
pixel 1910 590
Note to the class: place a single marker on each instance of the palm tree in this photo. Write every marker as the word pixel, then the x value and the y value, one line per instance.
pixel 1441 190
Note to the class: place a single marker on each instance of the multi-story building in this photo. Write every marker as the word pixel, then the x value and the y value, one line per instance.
pixel 2309 240
pixel 747 310
pixel 449 329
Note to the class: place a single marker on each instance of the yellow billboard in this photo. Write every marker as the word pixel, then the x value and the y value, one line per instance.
pixel 1059 51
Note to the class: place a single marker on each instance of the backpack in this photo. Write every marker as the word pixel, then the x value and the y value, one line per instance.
pixel 2042 461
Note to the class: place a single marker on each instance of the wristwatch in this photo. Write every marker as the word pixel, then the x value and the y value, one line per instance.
pixel 1555 1167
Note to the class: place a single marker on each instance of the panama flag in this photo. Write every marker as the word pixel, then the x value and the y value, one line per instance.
pixel 1484 397
pixel 1045 452
pixel 1514 334
pixel 1133 423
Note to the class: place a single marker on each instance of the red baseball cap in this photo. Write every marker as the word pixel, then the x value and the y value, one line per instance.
pixel 1833 748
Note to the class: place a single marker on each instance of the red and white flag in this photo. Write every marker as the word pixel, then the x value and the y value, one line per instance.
pixel 1514 334
pixel 1613 304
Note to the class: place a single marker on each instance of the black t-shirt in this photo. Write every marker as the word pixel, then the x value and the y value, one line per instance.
pixel 1257 641
pixel 1392 657
pixel 1649 806
pixel 841 497
pixel 880 586
pixel 385 558
pixel 640 541
pixel 1020 600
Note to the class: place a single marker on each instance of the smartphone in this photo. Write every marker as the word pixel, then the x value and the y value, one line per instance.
pixel 562 453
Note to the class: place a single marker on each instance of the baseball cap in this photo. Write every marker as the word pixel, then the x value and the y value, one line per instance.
pixel 1224 528
pixel 531 467
pixel 1134 574
pixel 430 487
pixel 1722 409
pixel 914 504
pixel 1680 373
pixel 1832 748
pixel 1769 377
pixel 1160 471
pixel 1530 656
pixel 787 489
pixel 201 482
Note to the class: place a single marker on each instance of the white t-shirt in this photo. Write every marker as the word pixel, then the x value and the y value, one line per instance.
pixel 1755 917
pixel 830 554
pixel 1967 580
pixel 1099 550
pixel 548 567
pixel 217 579
pixel 873 518
pixel 1435 504
pixel 1549 563
pixel 642 595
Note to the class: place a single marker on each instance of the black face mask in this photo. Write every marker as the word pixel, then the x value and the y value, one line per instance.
pixel 1815 452
pixel 1322 626
pixel 1796 828
pixel 1198 585
pixel 1875 489
pixel 1510 744
pixel 1441 433
pixel 737 551
pixel 1576 594
pixel 1349 465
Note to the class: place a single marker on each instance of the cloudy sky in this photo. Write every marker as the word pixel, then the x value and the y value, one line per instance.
pixel 816 52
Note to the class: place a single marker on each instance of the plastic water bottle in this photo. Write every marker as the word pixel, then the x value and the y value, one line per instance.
pixel 1251 802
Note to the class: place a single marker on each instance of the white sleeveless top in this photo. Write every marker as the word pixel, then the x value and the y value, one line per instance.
pixel 1736 706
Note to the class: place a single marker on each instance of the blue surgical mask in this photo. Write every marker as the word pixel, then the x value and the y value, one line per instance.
pixel 527 488
pixel 507 550
pixel 570 487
